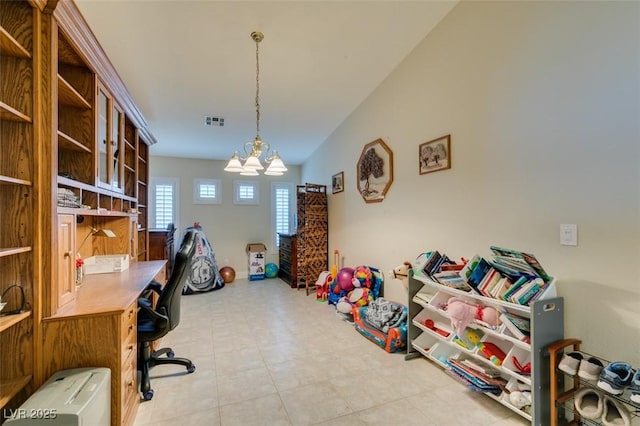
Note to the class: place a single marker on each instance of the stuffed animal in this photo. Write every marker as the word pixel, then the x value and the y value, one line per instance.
pixel 462 313
pixel 401 272
pixel 521 397
pixel 343 305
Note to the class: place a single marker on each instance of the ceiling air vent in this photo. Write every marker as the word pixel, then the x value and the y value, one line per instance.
pixel 213 121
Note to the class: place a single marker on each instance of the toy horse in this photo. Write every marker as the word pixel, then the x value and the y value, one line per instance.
pixel 401 272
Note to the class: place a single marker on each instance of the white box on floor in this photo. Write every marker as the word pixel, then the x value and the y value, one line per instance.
pixel 106 264
pixel 76 397
pixel 256 253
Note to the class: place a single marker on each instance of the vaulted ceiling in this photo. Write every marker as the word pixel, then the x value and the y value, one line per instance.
pixel 183 60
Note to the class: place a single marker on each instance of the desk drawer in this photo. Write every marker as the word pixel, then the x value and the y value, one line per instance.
pixel 129 322
pixel 285 243
pixel 129 396
pixel 285 267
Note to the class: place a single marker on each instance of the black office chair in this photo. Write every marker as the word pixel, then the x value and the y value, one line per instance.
pixel 154 323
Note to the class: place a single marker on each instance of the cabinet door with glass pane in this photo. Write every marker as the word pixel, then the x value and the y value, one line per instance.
pixel 110 122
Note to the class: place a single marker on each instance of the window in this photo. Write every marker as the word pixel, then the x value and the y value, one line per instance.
pixel 281 210
pixel 246 192
pixel 163 203
pixel 207 191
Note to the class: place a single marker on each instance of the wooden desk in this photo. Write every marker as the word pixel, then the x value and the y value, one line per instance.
pixel 98 329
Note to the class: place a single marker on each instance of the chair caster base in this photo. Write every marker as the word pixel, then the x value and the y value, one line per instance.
pixel 146 396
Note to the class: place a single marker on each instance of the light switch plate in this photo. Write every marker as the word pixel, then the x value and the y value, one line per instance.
pixel 569 234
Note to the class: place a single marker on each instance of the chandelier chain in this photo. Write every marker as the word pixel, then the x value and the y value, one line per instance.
pixel 256 149
pixel 257 90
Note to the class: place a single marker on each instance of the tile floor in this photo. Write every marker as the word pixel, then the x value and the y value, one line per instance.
pixel 266 354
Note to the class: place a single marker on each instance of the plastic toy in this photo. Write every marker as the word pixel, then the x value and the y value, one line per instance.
pixel 492 352
pixel 462 313
pixel 334 267
pixel 469 338
pixel 345 277
pixel 432 326
pixel 522 369
pixel 322 286
pixel 270 270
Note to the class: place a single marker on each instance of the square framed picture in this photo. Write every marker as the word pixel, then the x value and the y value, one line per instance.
pixel 435 155
pixel 337 183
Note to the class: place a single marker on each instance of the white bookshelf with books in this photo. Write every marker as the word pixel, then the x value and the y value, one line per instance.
pixel 503 358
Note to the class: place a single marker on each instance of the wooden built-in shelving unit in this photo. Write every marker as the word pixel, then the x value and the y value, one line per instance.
pixel 52 72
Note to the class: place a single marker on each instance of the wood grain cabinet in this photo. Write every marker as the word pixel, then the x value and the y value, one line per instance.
pixel 288 258
pixel 66 259
pixel 313 234
pixel 161 246
pixel 99 328
pixel 19 140
pixel 56 86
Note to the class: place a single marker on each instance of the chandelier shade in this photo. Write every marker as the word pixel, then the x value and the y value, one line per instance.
pixel 256 151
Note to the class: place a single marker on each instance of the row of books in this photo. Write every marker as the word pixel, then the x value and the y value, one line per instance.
pixel 512 276
pixel 487 280
pixel 441 269
pixel 519 327
pixel 475 376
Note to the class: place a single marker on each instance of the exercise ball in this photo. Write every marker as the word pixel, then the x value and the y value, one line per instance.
pixel 345 278
pixel 228 274
pixel 271 270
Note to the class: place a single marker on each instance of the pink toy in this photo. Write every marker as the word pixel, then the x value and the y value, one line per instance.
pixel 462 313
pixel 345 278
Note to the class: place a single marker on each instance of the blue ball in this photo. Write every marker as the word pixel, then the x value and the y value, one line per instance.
pixel 271 270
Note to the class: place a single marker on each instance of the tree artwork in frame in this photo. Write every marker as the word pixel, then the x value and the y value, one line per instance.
pixel 375 171
pixel 337 183
pixel 435 155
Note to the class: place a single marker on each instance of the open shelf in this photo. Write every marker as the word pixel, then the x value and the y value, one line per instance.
pixel 13 251
pixel 11 320
pixel 67 142
pixel 10 47
pixel 10 388
pixel 6 180
pixel 69 96
pixel 9 113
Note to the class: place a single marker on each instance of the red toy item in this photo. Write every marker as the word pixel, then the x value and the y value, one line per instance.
pixel 523 369
pixel 492 352
pixel 431 326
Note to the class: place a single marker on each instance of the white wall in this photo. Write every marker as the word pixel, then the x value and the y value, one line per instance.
pixel 229 227
pixel 542 100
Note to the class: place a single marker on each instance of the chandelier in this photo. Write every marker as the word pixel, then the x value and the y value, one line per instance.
pixel 254 150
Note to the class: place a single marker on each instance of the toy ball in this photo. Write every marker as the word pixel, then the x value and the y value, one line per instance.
pixel 345 275
pixel 363 275
pixel 228 274
pixel 270 270
pixel 360 296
